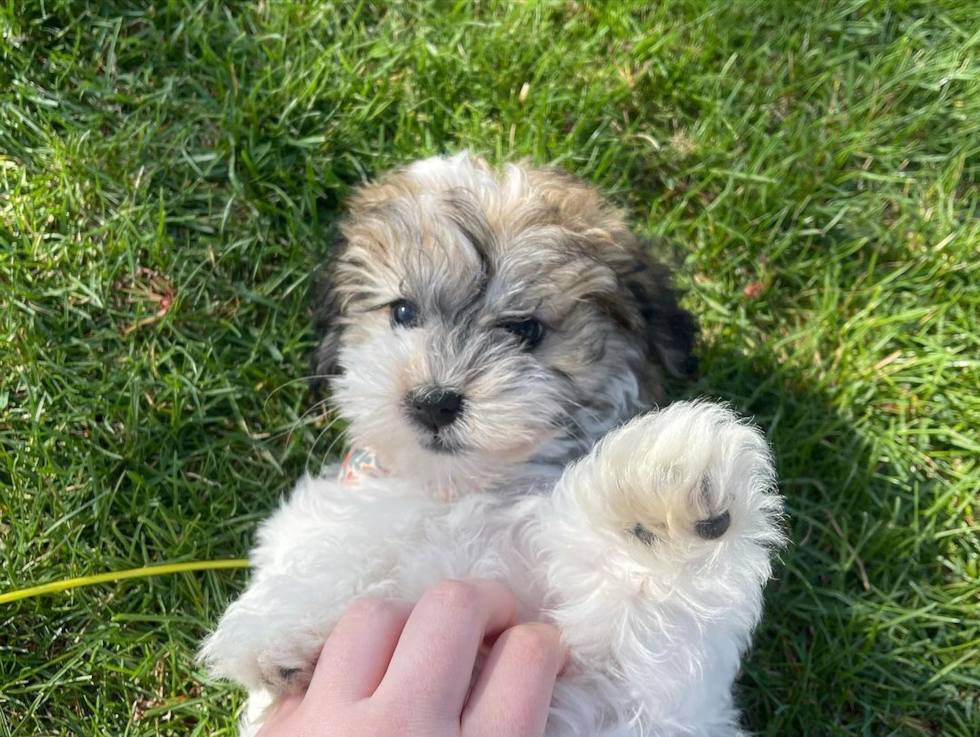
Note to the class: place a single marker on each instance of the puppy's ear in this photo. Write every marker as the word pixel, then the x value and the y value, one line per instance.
pixel 327 314
pixel 670 330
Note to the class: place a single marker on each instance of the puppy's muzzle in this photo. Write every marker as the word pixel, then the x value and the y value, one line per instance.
pixel 434 407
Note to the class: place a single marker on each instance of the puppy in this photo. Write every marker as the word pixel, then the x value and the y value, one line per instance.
pixel 493 341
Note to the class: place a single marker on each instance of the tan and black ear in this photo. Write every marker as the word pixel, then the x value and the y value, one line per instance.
pixel 670 330
pixel 328 321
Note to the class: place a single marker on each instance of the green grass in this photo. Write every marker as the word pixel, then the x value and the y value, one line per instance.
pixel 168 180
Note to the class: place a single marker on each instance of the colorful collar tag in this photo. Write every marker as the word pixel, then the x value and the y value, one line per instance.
pixel 360 463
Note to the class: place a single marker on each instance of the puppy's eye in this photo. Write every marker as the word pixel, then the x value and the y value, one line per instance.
pixel 642 534
pixel 530 332
pixel 404 313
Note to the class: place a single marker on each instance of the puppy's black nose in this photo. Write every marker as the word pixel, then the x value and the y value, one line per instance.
pixel 435 407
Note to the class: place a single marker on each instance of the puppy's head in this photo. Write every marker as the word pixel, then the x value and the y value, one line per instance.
pixel 474 321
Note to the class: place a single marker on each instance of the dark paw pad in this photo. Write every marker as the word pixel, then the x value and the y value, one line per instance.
pixel 712 529
pixel 287 674
pixel 644 535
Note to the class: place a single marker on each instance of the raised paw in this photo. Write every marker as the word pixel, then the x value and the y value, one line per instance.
pixel 690 475
pixel 658 546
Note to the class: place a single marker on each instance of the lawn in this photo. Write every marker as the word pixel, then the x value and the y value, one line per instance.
pixel 169 175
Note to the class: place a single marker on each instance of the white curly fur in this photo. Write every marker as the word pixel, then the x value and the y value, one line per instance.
pixel 656 632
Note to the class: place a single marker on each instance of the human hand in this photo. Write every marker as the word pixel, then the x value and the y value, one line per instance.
pixel 391 668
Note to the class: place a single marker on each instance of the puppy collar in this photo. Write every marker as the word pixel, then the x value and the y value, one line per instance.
pixel 360 463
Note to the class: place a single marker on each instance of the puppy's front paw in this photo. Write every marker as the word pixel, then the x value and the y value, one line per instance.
pixel 658 546
pixel 288 669
pixel 682 480
pixel 264 644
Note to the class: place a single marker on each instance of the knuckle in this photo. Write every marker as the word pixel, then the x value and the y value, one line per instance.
pixel 370 607
pixel 534 645
pixel 457 595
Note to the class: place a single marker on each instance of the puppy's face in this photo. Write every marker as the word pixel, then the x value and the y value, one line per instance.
pixel 474 321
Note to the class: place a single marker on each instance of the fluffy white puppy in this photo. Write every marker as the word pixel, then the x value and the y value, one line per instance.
pixel 493 341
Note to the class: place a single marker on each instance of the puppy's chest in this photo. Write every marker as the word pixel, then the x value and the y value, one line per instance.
pixel 477 535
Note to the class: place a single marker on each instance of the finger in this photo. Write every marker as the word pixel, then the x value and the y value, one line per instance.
pixel 512 695
pixel 278 714
pixel 355 657
pixel 433 664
